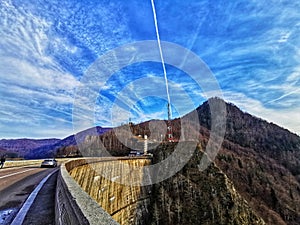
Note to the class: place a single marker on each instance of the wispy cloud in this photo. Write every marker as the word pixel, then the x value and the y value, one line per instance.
pixel 252 48
pixel 36 91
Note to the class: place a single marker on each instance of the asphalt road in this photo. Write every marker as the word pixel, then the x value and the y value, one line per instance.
pixel 42 210
pixel 16 184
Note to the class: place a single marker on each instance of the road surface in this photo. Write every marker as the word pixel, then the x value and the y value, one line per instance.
pixel 16 184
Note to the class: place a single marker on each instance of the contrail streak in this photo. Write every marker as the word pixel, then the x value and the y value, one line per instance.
pixel 161 56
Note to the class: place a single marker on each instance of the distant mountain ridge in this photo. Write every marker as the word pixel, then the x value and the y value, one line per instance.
pixel 22 147
pixel 72 140
pixel 43 148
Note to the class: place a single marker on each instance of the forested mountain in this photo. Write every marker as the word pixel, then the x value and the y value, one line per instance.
pixel 66 147
pixel 260 158
pixel 22 147
pixel 43 148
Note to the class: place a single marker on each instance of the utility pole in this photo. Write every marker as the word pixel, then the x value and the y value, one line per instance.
pixel 170 132
pixel 145 145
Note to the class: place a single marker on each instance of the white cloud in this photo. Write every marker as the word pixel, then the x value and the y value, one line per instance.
pixel 284 37
pixel 21 72
pixel 295 76
pixel 43 52
pixel 36 91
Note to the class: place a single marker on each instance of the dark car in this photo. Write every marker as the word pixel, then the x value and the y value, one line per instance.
pixel 49 163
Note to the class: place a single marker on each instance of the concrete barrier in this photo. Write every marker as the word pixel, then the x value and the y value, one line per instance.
pixel 18 163
pixel 73 205
pixel 33 162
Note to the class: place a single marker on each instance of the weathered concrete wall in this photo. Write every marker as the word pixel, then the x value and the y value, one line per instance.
pixel 74 206
pixel 103 181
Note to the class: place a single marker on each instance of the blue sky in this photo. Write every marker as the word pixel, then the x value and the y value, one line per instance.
pixel 46 47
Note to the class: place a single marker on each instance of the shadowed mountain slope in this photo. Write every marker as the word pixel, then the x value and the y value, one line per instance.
pixel 21 147
pixel 67 146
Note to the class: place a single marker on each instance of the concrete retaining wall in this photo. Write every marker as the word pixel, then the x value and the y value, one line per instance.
pixel 119 192
pixel 74 206
pixel 18 163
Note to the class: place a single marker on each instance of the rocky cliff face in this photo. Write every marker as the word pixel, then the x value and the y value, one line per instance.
pixel 195 197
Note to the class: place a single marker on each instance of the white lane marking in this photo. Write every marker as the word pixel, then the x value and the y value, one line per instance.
pixel 12 174
pixel 19 219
